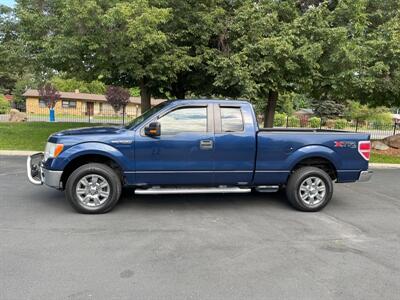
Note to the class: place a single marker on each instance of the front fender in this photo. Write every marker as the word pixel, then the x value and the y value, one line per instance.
pixel 314 151
pixel 88 148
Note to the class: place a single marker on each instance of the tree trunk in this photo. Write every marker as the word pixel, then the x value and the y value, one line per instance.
pixel 269 112
pixel 178 93
pixel 178 88
pixel 145 96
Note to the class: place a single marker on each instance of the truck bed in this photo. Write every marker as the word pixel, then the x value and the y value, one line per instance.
pixel 279 150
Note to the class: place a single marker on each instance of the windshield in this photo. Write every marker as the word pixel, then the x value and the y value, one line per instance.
pixel 147 114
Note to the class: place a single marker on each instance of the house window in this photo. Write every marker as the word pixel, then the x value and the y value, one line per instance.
pixel 101 107
pixel 68 104
pixel 42 103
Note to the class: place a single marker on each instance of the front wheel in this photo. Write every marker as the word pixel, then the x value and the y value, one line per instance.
pixel 309 189
pixel 93 188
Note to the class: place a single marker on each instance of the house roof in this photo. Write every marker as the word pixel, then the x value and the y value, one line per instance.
pixel 88 97
pixel 8 97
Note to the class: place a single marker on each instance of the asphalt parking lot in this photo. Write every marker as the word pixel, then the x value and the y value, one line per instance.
pixel 199 246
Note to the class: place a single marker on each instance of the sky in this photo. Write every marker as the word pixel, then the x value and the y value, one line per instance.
pixel 7 2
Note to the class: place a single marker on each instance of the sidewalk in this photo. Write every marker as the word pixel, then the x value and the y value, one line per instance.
pixel 26 153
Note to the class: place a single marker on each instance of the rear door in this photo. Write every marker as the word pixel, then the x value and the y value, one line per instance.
pixel 183 154
pixel 235 144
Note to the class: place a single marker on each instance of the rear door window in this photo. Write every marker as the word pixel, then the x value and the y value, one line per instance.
pixel 231 119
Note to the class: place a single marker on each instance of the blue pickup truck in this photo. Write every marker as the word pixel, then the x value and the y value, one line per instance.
pixel 199 146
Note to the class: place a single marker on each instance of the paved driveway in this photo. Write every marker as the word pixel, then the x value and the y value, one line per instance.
pixel 199 247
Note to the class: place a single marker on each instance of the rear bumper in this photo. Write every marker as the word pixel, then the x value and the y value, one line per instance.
pixel 365 176
pixel 38 175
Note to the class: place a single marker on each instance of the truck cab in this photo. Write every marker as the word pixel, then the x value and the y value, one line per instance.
pixel 198 146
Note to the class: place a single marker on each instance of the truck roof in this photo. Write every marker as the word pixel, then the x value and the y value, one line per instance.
pixel 204 101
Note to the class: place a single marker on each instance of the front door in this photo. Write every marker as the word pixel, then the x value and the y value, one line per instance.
pixel 89 108
pixel 183 153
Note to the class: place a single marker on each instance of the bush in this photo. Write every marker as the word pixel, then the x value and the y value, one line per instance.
pixel 294 121
pixel 340 124
pixel 329 123
pixel 280 120
pixel 4 105
pixel 382 119
pixel 303 121
pixel 315 122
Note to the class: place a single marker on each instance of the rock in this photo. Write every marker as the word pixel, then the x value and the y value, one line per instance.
pixel 379 146
pixel 17 116
pixel 393 141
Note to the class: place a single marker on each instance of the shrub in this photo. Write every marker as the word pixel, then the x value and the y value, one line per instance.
pixel 382 119
pixel 340 124
pixel 4 105
pixel 315 122
pixel 294 121
pixel 280 120
pixel 330 123
pixel 303 121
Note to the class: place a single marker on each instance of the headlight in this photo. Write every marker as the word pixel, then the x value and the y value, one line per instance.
pixel 52 150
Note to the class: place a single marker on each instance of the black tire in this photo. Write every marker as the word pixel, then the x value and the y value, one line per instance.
pixel 299 177
pixel 114 188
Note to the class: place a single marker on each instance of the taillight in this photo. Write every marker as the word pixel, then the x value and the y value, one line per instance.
pixel 364 148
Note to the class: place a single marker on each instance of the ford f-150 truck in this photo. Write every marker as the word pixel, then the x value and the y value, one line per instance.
pixel 199 146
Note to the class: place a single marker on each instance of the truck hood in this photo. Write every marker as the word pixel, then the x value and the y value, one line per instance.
pixel 100 130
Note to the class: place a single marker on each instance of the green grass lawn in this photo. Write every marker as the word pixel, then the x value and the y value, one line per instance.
pixel 386 159
pixel 31 135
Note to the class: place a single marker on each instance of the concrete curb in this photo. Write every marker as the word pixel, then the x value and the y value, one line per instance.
pixel 17 152
pixel 384 166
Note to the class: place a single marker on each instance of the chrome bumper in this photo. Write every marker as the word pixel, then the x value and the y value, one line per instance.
pixel 39 175
pixel 365 176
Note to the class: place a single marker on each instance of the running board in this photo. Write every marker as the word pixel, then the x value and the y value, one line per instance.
pixel 205 190
pixel 267 188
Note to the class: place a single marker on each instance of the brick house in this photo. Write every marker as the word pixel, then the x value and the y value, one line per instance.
pixel 77 104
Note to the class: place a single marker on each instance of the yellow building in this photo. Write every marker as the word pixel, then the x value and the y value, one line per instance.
pixel 81 104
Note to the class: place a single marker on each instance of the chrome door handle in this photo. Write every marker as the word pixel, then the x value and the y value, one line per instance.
pixel 206 144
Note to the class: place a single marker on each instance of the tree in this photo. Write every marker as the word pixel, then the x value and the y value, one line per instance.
pixel 49 94
pixel 328 109
pixel 118 42
pixel 265 51
pixel 117 97
pixel 12 55
pixel 72 84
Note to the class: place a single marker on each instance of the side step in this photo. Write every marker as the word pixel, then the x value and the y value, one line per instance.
pixel 198 190
pixel 267 188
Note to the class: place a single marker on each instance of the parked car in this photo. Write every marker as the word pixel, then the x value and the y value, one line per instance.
pixel 199 146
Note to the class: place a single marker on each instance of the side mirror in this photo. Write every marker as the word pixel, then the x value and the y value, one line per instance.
pixel 153 129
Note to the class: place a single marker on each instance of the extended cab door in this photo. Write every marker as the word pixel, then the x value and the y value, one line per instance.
pixel 235 144
pixel 184 152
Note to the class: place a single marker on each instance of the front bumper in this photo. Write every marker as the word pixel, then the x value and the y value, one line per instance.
pixel 39 175
pixel 365 176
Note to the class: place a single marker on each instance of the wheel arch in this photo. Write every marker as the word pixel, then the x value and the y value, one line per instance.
pixel 320 162
pixel 87 158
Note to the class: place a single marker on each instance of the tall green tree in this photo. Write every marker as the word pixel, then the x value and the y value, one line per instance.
pixel 265 51
pixel 12 55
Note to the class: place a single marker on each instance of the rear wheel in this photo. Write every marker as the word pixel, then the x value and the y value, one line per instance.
pixel 93 188
pixel 309 189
